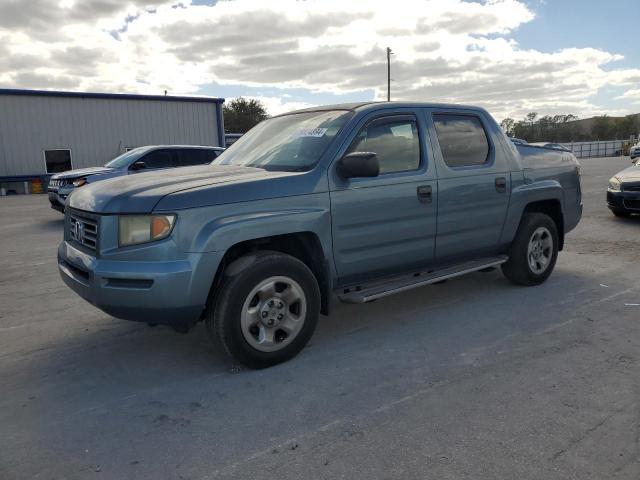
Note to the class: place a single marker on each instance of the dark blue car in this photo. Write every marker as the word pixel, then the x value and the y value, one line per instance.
pixel 137 160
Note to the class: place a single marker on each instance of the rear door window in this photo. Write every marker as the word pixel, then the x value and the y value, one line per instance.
pixel 463 140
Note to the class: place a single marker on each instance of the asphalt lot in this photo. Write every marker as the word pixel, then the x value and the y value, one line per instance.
pixel 474 378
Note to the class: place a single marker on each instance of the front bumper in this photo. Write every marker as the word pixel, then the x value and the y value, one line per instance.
pixel 57 199
pixel 162 292
pixel 624 201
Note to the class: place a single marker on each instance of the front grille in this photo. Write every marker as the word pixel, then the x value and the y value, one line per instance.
pixel 631 188
pixel 60 183
pixel 84 231
pixel 632 204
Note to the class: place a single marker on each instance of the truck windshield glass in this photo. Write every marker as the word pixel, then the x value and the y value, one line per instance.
pixel 124 159
pixel 291 143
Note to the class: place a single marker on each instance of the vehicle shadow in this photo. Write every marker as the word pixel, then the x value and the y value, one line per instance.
pixel 135 384
pixel 633 219
pixel 122 352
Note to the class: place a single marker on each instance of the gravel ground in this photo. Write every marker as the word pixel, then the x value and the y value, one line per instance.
pixel 474 378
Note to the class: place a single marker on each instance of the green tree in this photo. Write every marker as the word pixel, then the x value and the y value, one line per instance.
pixel 546 128
pixel 531 118
pixel 522 130
pixel 240 115
pixel 507 126
pixel 603 128
pixel 625 127
pixel 556 128
pixel 567 128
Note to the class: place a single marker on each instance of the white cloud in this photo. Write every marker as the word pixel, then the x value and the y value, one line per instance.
pixel 445 50
pixel 278 105
pixel 632 95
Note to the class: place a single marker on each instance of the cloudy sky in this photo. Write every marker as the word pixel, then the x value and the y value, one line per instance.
pixel 510 56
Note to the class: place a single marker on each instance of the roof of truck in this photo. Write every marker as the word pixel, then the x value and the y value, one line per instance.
pixel 372 105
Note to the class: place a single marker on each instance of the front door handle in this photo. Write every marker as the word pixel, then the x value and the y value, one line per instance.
pixel 501 184
pixel 424 194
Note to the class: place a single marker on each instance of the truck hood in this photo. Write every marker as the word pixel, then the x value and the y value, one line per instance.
pixel 80 172
pixel 631 174
pixel 176 188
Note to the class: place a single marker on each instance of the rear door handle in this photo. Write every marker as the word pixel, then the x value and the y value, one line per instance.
pixel 501 184
pixel 424 194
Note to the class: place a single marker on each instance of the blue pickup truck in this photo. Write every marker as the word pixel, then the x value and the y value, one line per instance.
pixel 351 202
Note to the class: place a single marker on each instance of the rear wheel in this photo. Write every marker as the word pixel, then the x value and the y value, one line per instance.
pixel 534 251
pixel 267 309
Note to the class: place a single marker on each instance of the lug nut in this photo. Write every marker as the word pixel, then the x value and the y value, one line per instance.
pixel 264 314
pixel 271 303
pixel 280 316
pixel 280 304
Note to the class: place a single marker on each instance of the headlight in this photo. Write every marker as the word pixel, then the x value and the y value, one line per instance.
pixel 78 182
pixel 614 184
pixel 134 229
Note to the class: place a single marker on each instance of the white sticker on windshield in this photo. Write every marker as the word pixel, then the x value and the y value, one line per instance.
pixel 310 132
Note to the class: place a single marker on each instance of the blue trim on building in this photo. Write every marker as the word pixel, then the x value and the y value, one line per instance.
pixel 114 96
pixel 25 178
pixel 220 123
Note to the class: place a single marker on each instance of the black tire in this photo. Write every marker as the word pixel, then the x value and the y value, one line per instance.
pixel 223 321
pixel 518 269
pixel 621 213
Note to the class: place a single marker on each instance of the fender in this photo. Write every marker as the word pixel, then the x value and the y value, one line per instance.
pixel 523 195
pixel 216 228
pixel 222 233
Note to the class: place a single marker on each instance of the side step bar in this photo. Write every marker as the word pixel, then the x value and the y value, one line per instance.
pixel 366 293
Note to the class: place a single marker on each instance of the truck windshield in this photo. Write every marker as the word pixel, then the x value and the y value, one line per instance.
pixel 124 159
pixel 291 143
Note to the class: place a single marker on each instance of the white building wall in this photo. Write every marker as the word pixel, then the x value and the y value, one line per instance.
pixel 96 129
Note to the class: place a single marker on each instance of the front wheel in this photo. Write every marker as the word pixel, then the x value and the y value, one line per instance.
pixel 534 251
pixel 267 309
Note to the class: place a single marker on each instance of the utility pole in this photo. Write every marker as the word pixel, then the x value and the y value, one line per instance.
pixel 389 53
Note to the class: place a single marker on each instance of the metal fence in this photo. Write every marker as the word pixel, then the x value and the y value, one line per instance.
pixel 608 148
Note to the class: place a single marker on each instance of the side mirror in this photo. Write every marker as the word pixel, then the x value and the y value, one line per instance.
pixel 139 165
pixel 359 164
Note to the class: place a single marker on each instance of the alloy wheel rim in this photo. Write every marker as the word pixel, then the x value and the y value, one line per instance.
pixel 273 313
pixel 540 250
